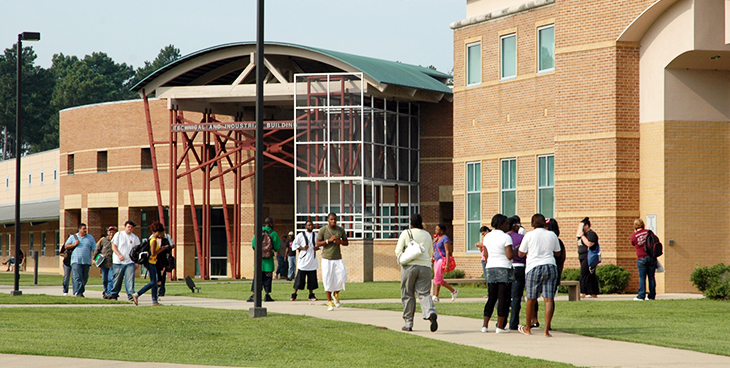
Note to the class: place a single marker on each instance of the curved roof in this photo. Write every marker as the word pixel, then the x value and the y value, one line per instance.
pixel 380 71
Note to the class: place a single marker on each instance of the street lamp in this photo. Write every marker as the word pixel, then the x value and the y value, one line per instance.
pixel 25 36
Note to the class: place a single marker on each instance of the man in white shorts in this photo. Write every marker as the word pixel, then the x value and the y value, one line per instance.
pixel 334 273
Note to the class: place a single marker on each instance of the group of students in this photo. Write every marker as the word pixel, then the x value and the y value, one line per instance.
pixel 513 262
pixel 112 254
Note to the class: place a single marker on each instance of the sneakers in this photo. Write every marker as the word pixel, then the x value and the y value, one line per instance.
pixel 336 297
pixel 483 330
pixel 250 300
pixel 330 306
pixel 268 298
pixel 407 329
pixel 435 298
pixel 501 330
pixel 156 304
pixel 454 294
pixel 638 299
pixel 312 298
pixel 135 299
pixel 434 324
pixel 293 297
pixel 65 294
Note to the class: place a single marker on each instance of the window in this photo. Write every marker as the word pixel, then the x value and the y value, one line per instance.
pixel 30 179
pixel 2 250
pixel 43 244
pixel 546 185
pixel 101 162
pixel 546 49
pixel 508 52
pixel 42 176
pixel 473 204
pixel 57 246
pixel 509 187
pixel 30 244
pixel 71 164
pixel 146 159
pixel 7 182
pixel 473 64
pixel 55 175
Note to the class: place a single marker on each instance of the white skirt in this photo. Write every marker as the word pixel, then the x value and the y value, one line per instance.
pixel 334 274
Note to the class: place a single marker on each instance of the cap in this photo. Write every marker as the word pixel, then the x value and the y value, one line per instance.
pixel 291 233
pixel 112 228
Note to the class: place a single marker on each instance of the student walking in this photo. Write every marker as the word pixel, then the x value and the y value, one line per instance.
pixel 416 275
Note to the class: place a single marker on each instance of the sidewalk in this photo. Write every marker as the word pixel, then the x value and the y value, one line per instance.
pixel 562 347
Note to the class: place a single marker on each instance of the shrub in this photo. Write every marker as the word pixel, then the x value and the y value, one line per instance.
pixel 455 274
pixel 570 274
pixel 612 279
pixel 713 282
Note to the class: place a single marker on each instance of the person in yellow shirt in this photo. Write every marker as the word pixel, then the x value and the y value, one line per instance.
pixel 156 247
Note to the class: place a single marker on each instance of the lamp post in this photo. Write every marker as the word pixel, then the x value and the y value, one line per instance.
pixel 25 36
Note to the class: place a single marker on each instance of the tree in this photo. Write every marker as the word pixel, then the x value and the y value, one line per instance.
pixel 167 55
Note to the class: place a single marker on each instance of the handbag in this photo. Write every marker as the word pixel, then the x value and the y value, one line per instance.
pixel 411 251
pixel 447 266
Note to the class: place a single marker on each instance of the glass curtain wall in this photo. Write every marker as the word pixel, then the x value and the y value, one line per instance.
pixel 356 156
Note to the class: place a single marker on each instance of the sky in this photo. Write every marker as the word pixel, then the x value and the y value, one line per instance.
pixel 132 31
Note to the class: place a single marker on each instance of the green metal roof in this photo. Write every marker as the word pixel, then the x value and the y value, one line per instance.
pixel 382 71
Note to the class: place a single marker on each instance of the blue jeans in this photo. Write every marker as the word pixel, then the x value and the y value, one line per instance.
pixel 647 268
pixel 80 277
pixel 518 288
pixel 126 272
pixel 281 269
pixel 66 277
pixel 107 279
pixel 292 266
pixel 152 272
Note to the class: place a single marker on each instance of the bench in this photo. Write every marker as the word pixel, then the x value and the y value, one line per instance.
pixel 573 286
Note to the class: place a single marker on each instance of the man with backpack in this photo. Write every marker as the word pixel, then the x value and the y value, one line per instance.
pixel 644 261
pixel 270 243
pixel 306 243
pixel 124 267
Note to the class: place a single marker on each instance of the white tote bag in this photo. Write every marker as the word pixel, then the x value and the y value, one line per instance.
pixel 411 251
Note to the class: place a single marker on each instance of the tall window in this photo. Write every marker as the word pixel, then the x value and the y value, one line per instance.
pixel 546 185
pixel 546 49
pixel 508 51
pixel 30 244
pixel 57 245
pixel 43 243
pixel 101 162
pixel 42 176
pixel 2 250
pixel 7 182
pixel 146 159
pixel 55 175
pixel 71 164
pixel 509 187
pixel 474 64
pixel 473 203
pixel 30 178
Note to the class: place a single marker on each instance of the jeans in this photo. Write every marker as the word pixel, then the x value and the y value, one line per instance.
pixel 281 269
pixel 126 272
pixel 161 278
pixel 152 271
pixel 292 266
pixel 107 279
pixel 647 268
pixel 518 288
pixel 66 277
pixel 265 282
pixel 80 277
pixel 416 281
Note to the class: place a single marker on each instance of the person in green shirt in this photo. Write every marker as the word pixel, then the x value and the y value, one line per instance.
pixel 334 273
pixel 267 264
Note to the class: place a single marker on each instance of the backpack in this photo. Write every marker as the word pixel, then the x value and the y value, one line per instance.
pixel 652 246
pixel 140 253
pixel 267 247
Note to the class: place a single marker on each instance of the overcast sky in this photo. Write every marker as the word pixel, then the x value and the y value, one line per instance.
pixel 132 31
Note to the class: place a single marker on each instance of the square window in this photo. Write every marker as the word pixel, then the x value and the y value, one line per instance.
pixel 473 64
pixel 508 51
pixel 546 49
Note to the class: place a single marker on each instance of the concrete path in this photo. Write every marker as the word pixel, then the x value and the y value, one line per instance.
pixel 562 347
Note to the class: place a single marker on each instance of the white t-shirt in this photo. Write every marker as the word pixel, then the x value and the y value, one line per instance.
pixel 307 260
pixel 495 241
pixel 124 243
pixel 539 244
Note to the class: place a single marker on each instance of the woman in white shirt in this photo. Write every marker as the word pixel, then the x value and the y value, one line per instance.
pixel 498 249
pixel 416 275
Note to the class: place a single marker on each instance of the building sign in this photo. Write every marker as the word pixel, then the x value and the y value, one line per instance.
pixel 238 125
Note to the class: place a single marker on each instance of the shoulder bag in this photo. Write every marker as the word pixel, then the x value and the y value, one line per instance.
pixel 411 251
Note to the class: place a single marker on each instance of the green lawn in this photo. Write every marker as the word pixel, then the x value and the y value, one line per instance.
pixel 8 278
pixel 47 299
pixel 222 337
pixel 698 324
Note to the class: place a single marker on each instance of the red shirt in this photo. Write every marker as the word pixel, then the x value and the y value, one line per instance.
pixel 638 239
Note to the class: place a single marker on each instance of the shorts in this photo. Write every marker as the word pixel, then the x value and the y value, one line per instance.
pixel 438 272
pixel 334 274
pixel 311 277
pixel 541 279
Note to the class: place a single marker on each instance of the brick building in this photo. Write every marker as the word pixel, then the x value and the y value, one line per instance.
pixel 365 138
pixel 611 110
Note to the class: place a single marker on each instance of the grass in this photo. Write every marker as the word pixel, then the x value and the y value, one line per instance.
pixel 697 325
pixel 186 335
pixel 8 278
pixel 48 299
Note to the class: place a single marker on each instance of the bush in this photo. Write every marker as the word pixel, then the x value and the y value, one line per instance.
pixel 455 274
pixel 570 274
pixel 713 282
pixel 612 279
